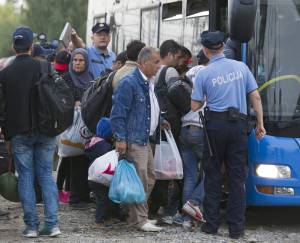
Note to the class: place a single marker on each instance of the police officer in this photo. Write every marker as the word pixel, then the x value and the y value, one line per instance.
pixel 225 85
pixel 100 57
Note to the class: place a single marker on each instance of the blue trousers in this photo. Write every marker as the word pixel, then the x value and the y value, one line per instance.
pixel 33 157
pixel 229 144
pixel 191 148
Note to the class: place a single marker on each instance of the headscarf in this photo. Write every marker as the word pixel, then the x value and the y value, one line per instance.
pixel 82 79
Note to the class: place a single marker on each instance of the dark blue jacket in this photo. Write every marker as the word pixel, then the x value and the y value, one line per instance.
pixel 131 111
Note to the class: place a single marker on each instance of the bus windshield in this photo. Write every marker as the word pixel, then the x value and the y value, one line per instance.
pixel 276 55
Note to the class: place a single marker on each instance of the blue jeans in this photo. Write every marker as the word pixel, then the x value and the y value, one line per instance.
pixel 33 157
pixel 191 148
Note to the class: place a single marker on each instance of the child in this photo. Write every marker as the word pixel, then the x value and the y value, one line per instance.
pixel 98 146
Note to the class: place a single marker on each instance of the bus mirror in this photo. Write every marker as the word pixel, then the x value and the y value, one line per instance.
pixel 241 17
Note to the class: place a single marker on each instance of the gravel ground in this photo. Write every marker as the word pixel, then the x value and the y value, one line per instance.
pixel 78 226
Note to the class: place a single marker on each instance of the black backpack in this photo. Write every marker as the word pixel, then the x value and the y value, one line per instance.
pixel 168 109
pixel 55 102
pixel 179 93
pixel 97 101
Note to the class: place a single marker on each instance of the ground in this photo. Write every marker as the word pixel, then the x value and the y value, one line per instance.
pixel 263 225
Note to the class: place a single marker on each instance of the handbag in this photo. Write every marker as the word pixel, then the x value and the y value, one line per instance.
pixel 167 160
pixel 73 140
pixel 9 184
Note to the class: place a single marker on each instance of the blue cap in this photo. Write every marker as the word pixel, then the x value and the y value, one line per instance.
pixel 103 129
pixel 23 37
pixel 98 27
pixel 212 39
pixel 39 51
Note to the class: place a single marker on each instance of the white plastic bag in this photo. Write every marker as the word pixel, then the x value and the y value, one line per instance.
pixel 103 168
pixel 167 160
pixel 72 141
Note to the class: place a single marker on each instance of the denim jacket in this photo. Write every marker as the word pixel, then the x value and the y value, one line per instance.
pixel 131 110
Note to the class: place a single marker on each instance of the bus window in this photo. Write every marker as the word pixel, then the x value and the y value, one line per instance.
pixel 196 22
pixel 149 26
pixel 171 26
pixel 276 53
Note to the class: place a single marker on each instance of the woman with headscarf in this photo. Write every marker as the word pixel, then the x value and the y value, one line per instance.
pixel 78 79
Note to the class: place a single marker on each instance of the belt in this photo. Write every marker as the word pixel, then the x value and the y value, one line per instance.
pixel 193 127
pixel 224 115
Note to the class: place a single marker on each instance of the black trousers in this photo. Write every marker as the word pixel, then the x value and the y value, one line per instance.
pixel 64 175
pixel 105 208
pixel 229 145
pixel 79 166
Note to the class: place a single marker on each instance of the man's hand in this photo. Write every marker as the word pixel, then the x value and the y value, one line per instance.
pixel 8 146
pixel 260 131
pixel 121 147
pixel 165 125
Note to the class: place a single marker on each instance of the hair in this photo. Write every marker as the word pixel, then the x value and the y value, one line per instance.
pixel 133 49
pixel 146 53
pixel 201 58
pixel 121 57
pixel 21 48
pixel 168 46
pixel 185 51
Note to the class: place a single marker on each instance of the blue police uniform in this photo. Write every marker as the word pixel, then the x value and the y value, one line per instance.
pixel 224 84
pixel 99 62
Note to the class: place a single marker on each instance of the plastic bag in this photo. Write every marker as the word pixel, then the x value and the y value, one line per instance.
pixel 72 140
pixel 167 160
pixel 126 186
pixel 103 168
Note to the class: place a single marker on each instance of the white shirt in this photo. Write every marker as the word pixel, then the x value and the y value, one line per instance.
pixel 192 117
pixel 153 104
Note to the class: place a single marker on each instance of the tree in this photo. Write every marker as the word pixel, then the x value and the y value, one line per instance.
pixel 50 16
pixel 10 19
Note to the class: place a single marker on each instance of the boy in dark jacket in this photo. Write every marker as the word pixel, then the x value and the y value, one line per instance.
pixel 98 146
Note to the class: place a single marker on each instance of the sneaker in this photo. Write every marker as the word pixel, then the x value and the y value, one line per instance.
pixel 236 235
pixel 64 197
pixel 30 233
pixel 187 225
pixel 148 227
pixel 178 219
pixel 152 221
pixel 193 211
pixel 167 220
pixel 208 230
pixel 50 232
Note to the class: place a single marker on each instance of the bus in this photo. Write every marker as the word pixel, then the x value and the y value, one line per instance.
pixel 262 33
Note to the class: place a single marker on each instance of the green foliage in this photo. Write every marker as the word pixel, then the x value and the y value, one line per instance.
pixel 50 16
pixel 10 19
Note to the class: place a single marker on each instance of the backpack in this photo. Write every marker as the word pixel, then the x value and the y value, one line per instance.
pixel 179 93
pixel 97 101
pixel 55 102
pixel 168 109
pixel 95 84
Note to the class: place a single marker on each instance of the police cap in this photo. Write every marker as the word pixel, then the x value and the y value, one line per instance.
pixel 98 27
pixel 212 39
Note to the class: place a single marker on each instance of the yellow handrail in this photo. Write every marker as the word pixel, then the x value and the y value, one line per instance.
pixel 273 80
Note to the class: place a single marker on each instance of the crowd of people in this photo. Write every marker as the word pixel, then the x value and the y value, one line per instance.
pixel 141 108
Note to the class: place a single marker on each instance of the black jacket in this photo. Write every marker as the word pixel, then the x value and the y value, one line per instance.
pixel 17 81
pixel 77 92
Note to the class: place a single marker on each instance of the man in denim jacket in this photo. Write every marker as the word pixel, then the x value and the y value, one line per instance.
pixel 134 117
